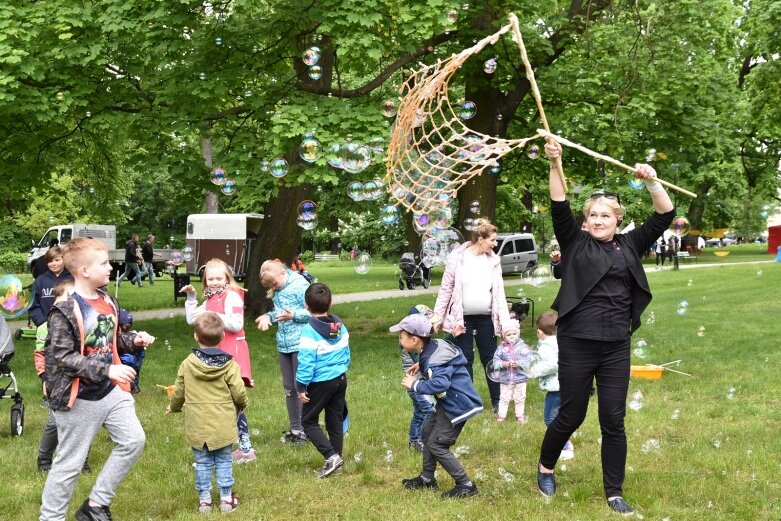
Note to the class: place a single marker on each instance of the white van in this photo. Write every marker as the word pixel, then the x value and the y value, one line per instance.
pixel 518 252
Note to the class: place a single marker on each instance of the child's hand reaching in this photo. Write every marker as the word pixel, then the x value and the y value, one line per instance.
pixel 413 369
pixel 188 290
pixel 408 381
pixel 303 397
pixel 285 316
pixel 263 322
pixel 143 339
pixel 121 373
pixel 168 409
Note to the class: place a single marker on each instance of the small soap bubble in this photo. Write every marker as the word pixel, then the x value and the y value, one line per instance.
pixel 228 187
pixel 461 450
pixel 563 467
pixel 355 191
pixel 474 207
pixel 389 455
pixel 218 41
pixel 309 149
pixel 680 226
pixel 452 16
pixel 731 393
pixel 468 110
pixel 389 108
pixel 307 209
pixel 689 283
pixel 177 258
pixel 490 66
pixel 202 75
pixel 676 414
pixel 640 348
pixel 264 166
pixel 256 432
pixel 540 276
pixel 51 218
pixel 278 167
pixel 506 476
pixel 533 151
pixel 701 331
pixel 358 457
pixel 651 319
pixel 683 308
pixel 362 263
pixel 187 253
pixel 717 444
pixel 637 401
pixel 496 169
pixel 389 215
pixel 637 184
pixel 650 445
pixel 315 72
pixel 307 222
pixel 650 154
pixel 759 273
pixel 469 224
pixel 218 176
pixel 311 56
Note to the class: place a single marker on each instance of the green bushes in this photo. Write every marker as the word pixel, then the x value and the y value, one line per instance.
pixel 13 262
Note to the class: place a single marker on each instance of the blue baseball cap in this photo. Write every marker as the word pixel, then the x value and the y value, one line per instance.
pixel 125 317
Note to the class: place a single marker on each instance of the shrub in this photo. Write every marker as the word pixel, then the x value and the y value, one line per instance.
pixel 307 256
pixel 13 262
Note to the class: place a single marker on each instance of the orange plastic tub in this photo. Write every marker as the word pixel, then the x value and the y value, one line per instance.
pixel 647 372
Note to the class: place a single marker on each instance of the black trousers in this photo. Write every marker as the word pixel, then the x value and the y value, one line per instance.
pixel 580 362
pixel 480 328
pixel 328 396
pixel 438 436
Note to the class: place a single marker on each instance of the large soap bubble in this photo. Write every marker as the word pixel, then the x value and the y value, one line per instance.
pixel 355 191
pixel 389 109
pixel 422 222
pixel 437 244
pixel 187 253
pixel 177 258
pixel 334 155
pixel 468 110
pixel 680 226
pixel 15 299
pixel 362 263
pixel 307 222
pixel 371 190
pixel 540 277
pixel 228 187
pixel 315 72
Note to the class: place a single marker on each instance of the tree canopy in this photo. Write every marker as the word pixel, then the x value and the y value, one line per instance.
pixel 121 107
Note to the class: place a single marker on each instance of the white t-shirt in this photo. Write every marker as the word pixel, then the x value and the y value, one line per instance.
pixel 476 284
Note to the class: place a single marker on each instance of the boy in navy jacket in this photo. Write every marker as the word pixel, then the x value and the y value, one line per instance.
pixel 443 368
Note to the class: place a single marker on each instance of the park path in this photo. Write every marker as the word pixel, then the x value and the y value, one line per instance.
pixel 364 296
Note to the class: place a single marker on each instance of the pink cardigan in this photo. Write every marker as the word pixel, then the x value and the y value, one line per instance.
pixel 450 300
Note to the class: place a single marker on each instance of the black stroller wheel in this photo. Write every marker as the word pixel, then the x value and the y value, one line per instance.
pixel 18 334
pixel 411 284
pixel 401 284
pixel 17 420
pixel 426 283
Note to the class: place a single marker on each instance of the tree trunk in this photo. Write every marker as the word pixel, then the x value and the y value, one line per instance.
pixel 278 238
pixel 211 203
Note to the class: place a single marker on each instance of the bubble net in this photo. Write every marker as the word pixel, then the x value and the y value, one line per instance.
pixel 432 153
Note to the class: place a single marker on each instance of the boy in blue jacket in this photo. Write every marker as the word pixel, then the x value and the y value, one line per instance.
pixel 321 377
pixel 444 373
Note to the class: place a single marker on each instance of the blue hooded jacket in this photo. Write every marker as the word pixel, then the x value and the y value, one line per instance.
pixel 291 297
pixel 443 367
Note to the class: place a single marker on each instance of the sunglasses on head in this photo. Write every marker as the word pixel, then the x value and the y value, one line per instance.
pixel 606 195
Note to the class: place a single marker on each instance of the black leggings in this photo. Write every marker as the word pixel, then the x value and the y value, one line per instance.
pixel 580 362
pixel 480 328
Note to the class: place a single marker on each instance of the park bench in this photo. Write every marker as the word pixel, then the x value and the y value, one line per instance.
pixel 326 256
pixel 685 256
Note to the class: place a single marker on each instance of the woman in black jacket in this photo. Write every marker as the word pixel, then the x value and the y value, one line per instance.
pixel 603 293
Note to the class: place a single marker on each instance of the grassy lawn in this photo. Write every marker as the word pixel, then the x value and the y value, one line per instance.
pixel 716 456
pixel 728 254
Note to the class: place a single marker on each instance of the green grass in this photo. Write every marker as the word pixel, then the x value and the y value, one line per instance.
pixel 736 253
pixel 686 478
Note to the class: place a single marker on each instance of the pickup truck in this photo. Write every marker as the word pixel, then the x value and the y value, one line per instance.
pixel 105 233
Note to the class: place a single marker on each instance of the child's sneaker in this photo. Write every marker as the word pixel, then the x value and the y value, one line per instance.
pixel 331 464
pixel 418 482
pixel 500 419
pixel 90 513
pixel 205 506
pixel 460 491
pixel 522 419
pixel 243 456
pixel 568 452
pixel 229 504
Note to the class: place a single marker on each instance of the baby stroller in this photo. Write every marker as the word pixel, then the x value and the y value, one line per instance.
pixel 6 353
pixel 413 273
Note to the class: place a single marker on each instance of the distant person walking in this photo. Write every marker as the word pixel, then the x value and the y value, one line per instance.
pixel 131 262
pixel 148 254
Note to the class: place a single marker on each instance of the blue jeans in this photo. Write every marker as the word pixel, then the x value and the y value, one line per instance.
pixel 551 405
pixel 480 329
pixel 135 361
pixel 131 266
pixel 421 410
pixel 205 461
pixel 149 270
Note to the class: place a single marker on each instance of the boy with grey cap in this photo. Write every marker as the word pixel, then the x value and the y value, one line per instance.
pixel 444 375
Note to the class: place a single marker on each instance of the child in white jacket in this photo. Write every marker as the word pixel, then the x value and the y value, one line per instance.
pixel 545 366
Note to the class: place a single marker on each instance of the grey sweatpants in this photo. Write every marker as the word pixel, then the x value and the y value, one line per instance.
pixel 288 364
pixel 76 429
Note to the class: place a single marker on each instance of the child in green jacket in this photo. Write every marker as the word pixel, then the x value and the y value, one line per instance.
pixel 209 382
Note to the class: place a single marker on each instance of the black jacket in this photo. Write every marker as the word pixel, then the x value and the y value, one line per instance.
pixel 587 262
